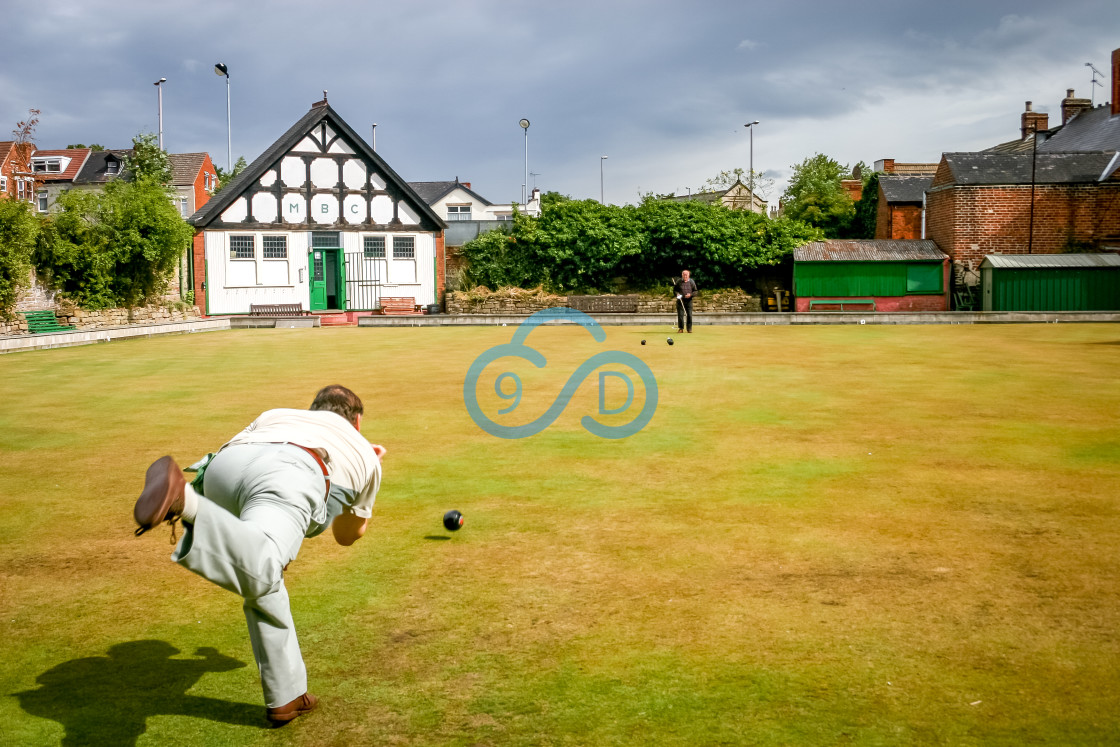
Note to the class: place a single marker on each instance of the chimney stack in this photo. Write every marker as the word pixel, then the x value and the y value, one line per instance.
pixel 1032 122
pixel 1071 106
pixel 1115 82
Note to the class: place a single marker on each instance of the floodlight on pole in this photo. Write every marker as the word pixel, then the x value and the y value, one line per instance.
pixel 525 126
pixel 221 69
pixel 601 193
pixel 159 87
pixel 750 129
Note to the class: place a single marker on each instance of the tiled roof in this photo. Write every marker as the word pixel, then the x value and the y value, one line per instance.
pixel 698 197
pixel 266 160
pixel 433 192
pixel 1092 129
pixel 185 167
pixel 904 188
pixel 94 171
pixel 1016 168
pixel 869 250
pixel 5 149
pixel 1011 146
pixel 77 158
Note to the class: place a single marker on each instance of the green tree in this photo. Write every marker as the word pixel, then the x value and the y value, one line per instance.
pixel 867 207
pixel 225 177
pixel 815 195
pixel 94 147
pixel 116 247
pixel 19 229
pixel 147 161
pixel 583 246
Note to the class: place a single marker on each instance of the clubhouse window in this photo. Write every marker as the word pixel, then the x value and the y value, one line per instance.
pixel 275 247
pixel 373 247
pixel 404 247
pixel 242 247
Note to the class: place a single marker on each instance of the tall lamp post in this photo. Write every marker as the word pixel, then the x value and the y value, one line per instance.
pixel 221 69
pixel 159 87
pixel 750 129
pixel 601 198
pixel 525 126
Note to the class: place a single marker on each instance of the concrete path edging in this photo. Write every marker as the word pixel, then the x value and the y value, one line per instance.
pixel 19 343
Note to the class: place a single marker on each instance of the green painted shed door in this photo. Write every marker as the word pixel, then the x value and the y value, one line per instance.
pixel 318 280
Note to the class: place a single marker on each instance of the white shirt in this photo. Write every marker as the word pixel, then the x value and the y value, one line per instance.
pixel 355 470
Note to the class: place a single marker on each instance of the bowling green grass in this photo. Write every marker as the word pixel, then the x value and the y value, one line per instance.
pixel 826 535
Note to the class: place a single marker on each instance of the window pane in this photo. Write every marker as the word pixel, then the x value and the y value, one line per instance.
pixel 242 247
pixel 923 278
pixel 327 239
pixel 403 247
pixel 374 247
pixel 275 247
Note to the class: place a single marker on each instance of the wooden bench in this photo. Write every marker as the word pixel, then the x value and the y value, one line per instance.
pixel 44 322
pixel 840 302
pixel 604 304
pixel 399 306
pixel 276 309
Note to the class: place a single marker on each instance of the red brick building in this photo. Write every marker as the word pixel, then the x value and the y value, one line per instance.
pixel 1022 203
pixel 899 211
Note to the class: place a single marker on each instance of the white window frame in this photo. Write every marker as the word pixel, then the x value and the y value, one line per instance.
pixel 42 200
pixel 183 207
pixel 112 167
pixel 411 247
pixel 265 237
pixel 3 185
pixel 459 212
pixel 233 257
pixel 43 165
pixel 384 249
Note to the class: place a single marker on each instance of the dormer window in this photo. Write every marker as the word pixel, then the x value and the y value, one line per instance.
pixel 46 165
pixel 112 166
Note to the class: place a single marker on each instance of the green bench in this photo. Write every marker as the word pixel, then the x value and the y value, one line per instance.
pixel 840 302
pixel 43 322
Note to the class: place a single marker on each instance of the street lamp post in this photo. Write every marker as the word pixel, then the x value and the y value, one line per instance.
pixel 750 129
pixel 601 197
pixel 159 87
pixel 525 126
pixel 221 69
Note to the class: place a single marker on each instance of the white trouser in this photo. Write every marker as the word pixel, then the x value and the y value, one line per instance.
pixel 259 505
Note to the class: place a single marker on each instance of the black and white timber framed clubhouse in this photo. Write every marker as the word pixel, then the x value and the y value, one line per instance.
pixel 321 220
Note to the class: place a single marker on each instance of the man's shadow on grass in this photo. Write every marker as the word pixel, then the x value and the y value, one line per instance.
pixel 109 699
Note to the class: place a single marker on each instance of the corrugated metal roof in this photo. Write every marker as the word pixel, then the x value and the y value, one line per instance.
pixel 1051 260
pixel 869 250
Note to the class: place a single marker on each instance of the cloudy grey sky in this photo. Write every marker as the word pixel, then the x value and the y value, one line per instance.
pixel 661 87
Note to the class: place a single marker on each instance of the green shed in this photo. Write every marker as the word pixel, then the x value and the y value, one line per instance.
pixel 1050 282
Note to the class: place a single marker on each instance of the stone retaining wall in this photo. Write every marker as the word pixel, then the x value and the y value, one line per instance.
pixel 85 319
pixel 520 301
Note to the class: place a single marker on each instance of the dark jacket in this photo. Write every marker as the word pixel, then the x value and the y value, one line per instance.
pixel 682 287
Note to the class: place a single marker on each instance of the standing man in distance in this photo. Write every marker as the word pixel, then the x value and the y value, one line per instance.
pixel 684 290
pixel 249 509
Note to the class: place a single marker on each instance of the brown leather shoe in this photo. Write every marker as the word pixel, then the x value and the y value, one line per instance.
pixel 162 498
pixel 281 715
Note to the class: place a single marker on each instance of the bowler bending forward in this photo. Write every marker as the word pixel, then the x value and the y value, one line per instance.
pixel 289 475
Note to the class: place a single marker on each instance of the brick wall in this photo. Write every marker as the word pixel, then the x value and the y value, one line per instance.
pixel 969 223
pixel 906 222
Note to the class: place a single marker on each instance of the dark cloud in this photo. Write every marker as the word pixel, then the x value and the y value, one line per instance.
pixel 662 87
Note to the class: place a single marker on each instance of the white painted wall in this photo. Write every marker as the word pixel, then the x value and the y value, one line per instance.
pixel 232 285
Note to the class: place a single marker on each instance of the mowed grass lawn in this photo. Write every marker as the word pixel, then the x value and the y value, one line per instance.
pixel 826 535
